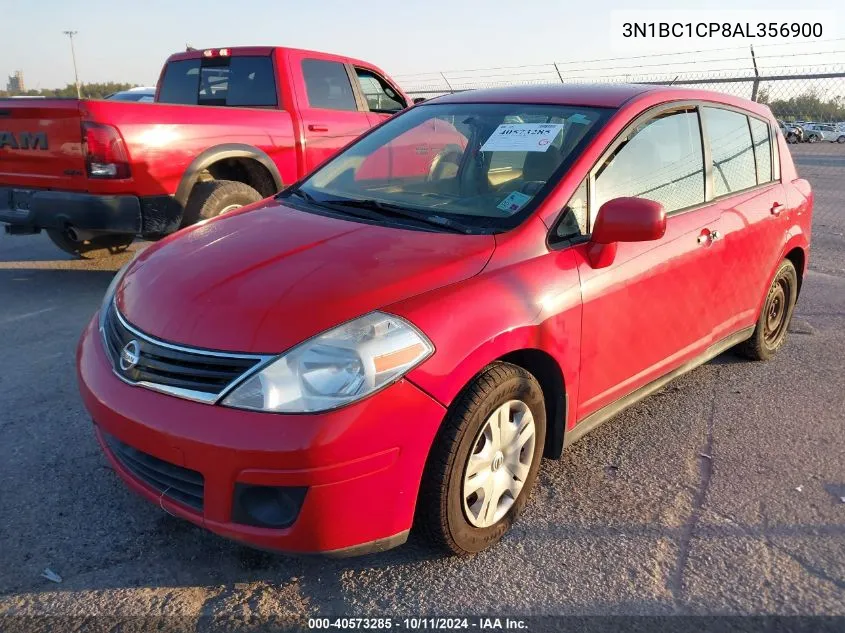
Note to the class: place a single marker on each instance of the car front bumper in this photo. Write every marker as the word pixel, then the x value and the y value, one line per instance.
pixel 360 465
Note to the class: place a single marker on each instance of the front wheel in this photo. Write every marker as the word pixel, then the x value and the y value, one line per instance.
pixel 773 323
pixel 95 248
pixel 484 461
pixel 841 139
pixel 813 139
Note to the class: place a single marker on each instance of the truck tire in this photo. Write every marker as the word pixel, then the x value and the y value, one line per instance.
pixel 95 248
pixel 210 199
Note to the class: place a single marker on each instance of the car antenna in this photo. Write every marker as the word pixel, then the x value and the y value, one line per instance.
pixel 672 83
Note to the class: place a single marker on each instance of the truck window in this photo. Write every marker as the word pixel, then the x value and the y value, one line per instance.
pixel 328 85
pixel 380 96
pixel 242 81
pixel 181 82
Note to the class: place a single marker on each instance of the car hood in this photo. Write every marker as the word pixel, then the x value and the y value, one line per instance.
pixel 267 278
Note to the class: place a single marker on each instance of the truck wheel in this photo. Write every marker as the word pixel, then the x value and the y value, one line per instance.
pixel 213 198
pixel 773 322
pixel 484 461
pixel 95 248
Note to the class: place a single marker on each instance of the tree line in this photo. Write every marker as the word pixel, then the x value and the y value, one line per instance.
pixel 807 106
pixel 89 91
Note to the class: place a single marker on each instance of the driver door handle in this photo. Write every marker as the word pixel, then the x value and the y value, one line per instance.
pixel 317 127
pixel 777 207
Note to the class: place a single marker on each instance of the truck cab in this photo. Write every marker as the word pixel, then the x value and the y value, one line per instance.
pixel 228 127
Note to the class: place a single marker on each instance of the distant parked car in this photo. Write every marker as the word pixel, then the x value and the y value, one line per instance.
pixel 791 132
pixel 823 132
pixel 141 94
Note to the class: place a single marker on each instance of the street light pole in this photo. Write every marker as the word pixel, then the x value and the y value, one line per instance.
pixel 70 34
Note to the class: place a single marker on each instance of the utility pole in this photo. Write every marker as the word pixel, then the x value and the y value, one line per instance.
pixel 70 34
pixel 756 85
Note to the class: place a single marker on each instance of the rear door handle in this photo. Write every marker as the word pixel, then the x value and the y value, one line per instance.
pixel 316 127
pixel 777 207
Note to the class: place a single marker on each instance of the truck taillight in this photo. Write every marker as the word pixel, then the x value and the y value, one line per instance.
pixel 105 151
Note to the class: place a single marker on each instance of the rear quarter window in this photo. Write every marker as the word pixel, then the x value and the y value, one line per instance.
pixel 762 149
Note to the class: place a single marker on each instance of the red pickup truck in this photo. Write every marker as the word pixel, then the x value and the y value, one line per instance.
pixel 229 127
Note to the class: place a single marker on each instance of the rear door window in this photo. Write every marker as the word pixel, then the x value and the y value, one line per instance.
pixel 327 84
pixel 241 81
pixel 734 167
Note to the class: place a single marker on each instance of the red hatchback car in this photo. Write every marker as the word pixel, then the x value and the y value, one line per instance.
pixel 400 337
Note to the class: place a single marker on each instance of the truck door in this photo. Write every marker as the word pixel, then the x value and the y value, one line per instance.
pixel 331 116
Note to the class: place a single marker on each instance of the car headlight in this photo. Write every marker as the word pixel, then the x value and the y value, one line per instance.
pixel 335 368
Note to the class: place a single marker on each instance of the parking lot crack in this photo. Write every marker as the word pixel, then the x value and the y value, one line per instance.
pixel 705 460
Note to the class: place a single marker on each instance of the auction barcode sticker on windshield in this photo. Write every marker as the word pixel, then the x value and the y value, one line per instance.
pixel 522 137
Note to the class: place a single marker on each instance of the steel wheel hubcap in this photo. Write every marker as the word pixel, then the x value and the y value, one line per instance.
pixel 776 312
pixel 499 464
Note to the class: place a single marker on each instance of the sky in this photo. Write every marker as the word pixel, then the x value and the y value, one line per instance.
pixel 129 41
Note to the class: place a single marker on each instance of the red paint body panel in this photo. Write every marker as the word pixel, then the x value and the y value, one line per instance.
pixel 268 277
pixel 267 269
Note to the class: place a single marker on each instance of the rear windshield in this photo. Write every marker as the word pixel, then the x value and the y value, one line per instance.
pixel 245 81
pixel 486 165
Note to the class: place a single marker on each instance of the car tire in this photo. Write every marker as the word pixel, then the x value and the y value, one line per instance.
pixel 216 197
pixel 841 139
pixel 449 513
pixel 813 138
pixel 95 248
pixel 773 323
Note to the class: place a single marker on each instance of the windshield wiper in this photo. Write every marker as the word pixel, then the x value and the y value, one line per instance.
pixel 385 208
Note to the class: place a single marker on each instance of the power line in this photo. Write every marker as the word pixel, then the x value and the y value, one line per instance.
pixel 632 57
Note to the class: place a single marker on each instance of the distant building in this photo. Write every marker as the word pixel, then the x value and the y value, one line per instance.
pixel 15 83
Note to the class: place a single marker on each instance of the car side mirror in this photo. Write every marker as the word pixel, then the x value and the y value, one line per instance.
pixel 624 220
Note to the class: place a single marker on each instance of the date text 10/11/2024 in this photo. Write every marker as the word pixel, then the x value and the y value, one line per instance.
pixel 419 624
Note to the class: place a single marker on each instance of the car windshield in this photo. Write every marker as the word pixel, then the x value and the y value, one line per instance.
pixel 478 166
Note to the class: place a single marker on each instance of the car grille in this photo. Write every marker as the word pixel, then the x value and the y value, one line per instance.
pixel 196 374
pixel 181 484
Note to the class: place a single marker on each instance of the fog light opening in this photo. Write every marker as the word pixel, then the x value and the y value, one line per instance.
pixel 267 506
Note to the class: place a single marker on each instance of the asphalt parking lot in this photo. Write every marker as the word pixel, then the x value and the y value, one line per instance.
pixel 724 493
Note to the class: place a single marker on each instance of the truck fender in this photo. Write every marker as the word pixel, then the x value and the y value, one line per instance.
pixel 218 153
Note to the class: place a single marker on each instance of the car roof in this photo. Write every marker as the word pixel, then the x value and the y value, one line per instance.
pixel 592 95
pixel 598 95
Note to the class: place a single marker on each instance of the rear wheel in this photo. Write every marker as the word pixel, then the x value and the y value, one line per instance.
pixel 95 248
pixel 216 197
pixel 813 139
pixel 841 139
pixel 484 462
pixel 773 323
